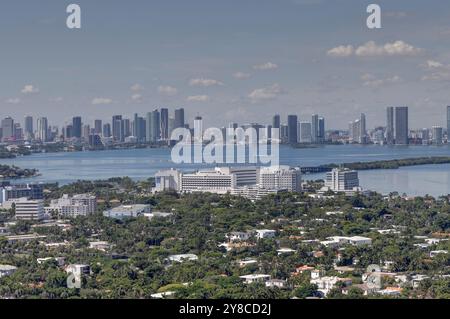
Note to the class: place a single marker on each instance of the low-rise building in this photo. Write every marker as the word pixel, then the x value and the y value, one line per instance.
pixel 100 245
pixel 77 205
pixel 182 257
pixel 29 209
pixel 7 270
pixel 255 278
pixel 127 211
pixel 265 233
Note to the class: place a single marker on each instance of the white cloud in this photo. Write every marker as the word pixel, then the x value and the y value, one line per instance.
pixel 136 97
pixel 204 82
pixel 397 48
pixel 137 87
pixel 198 98
pixel 371 49
pixel 241 75
pixel 167 90
pixel 437 71
pixel 101 101
pixel 372 81
pixel 268 93
pixel 341 51
pixel 30 89
pixel 13 101
pixel 57 99
pixel 266 66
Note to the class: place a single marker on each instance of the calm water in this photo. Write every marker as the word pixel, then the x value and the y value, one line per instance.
pixel 143 163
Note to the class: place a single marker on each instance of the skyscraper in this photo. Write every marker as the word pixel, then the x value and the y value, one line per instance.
pixel 98 127
pixel 315 128
pixel 42 129
pixel 77 127
pixel 448 124
pixel 321 138
pixel 153 126
pixel 8 130
pixel 29 127
pixel 437 135
pixel 401 125
pixel 390 125
pixel 276 121
pixel 305 132
pixel 198 129
pixel 117 128
pixel 165 124
pixel 362 129
pixel 107 130
pixel 179 118
pixel 292 129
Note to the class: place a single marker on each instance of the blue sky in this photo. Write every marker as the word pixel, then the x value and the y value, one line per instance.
pixel 227 60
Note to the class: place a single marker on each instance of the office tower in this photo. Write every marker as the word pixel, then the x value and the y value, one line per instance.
pixel 164 124
pixel 153 131
pixel 117 128
pixel 179 118
pixel 340 180
pixel 67 132
pixel 198 129
pixel 292 129
pixel 29 127
pixel 7 129
pixel 448 124
pixel 276 121
pixel 107 130
pixel 390 126
pixel 127 128
pixel 42 129
pixel 31 210
pixel 98 127
pixel 401 125
pixel 18 132
pixel 425 136
pixel 86 132
pixel 171 126
pixel 321 138
pixel 305 132
pixel 136 125
pixel 362 138
pixel 315 128
pixel 77 127
pixel 437 135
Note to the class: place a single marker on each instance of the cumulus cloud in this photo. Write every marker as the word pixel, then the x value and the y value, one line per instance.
pixel 101 101
pixel 30 89
pixel 167 90
pixel 266 66
pixel 341 51
pixel 371 49
pixel 241 75
pixel 437 71
pixel 13 101
pixel 371 80
pixel 137 87
pixel 204 82
pixel 268 93
pixel 198 98
pixel 136 97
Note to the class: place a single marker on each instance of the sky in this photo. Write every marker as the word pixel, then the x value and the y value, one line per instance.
pixel 229 61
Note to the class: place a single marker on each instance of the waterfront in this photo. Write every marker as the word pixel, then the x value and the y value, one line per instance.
pixel 141 164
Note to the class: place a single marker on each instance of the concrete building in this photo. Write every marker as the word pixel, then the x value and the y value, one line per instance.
pixel 305 133
pixel 341 180
pixel 401 125
pixel 7 270
pixel 280 178
pixel 255 278
pixel 77 205
pixel 127 211
pixel 438 135
pixel 27 209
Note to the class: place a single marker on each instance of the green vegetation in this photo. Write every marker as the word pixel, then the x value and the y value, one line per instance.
pixel 12 172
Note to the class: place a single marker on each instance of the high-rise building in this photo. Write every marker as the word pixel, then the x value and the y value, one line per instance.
pixel 292 129
pixel 98 127
pixel 362 129
pixel 29 131
pixel 127 128
pixel 107 130
pixel 8 130
pixel 118 128
pixel 401 125
pixel 276 122
pixel 437 135
pixel 179 118
pixel 341 180
pixel 165 124
pixel 77 127
pixel 315 128
pixel 27 209
pixel 448 124
pixel 153 131
pixel 42 129
pixel 198 129
pixel 305 132
pixel 390 125
pixel 321 138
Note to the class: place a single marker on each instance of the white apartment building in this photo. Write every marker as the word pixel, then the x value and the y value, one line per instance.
pixel 27 209
pixel 280 178
pixel 78 205
pixel 342 180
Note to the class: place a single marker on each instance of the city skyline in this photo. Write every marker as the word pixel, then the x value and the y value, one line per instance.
pixel 223 59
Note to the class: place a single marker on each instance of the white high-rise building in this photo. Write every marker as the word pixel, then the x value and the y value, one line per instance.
pixel 42 129
pixel 438 135
pixel 280 178
pixel 32 210
pixel 78 205
pixel 305 132
pixel 341 180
